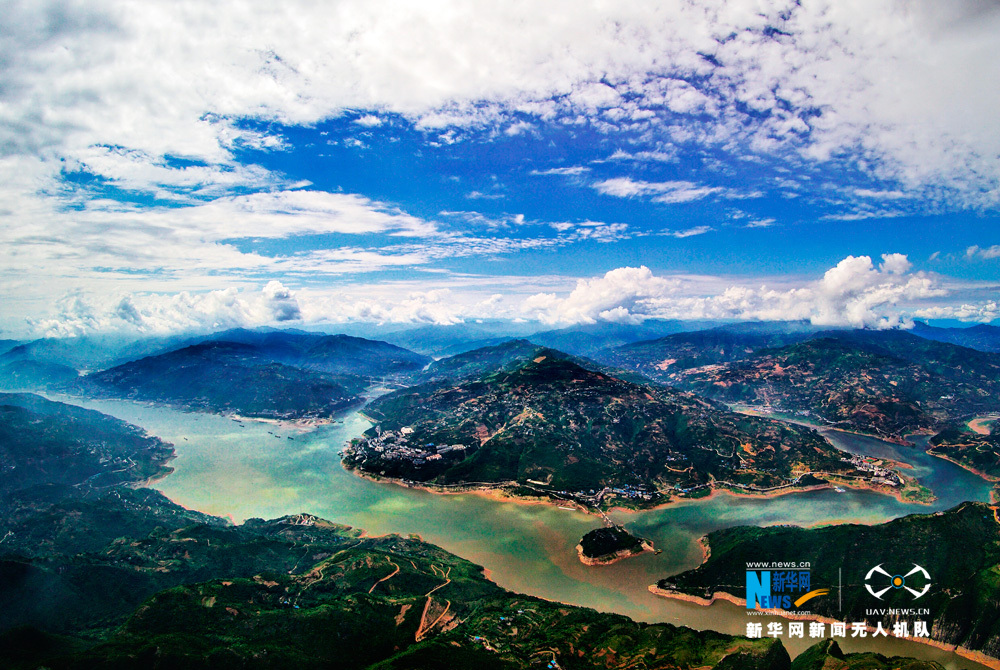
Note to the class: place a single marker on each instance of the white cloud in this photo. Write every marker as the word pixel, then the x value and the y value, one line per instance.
pixel 982 312
pixel 864 214
pixel 908 89
pixel 563 171
pixel 104 237
pixel 853 293
pixel 690 232
pixel 659 156
pixel 518 128
pixel 623 288
pixel 856 292
pixel 983 253
pixel 667 191
pixel 368 121
pixel 151 98
pixel 479 195
pixel 274 304
pixel 880 195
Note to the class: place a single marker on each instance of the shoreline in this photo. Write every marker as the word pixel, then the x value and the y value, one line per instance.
pixel 303 424
pixel 819 427
pixel 501 495
pixel 994 492
pixel 645 546
pixel 968 468
pixel 970 654
pixel 976 424
pixel 498 492
pixel 493 491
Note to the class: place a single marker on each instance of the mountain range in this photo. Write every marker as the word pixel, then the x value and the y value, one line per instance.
pixel 887 383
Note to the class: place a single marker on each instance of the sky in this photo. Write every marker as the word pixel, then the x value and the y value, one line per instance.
pixel 172 166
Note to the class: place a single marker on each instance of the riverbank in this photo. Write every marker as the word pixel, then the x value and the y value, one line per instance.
pixel 994 493
pixel 610 559
pixel 970 654
pixel 799 420
pixel 302 425
pixel 498 491
pixel 978 425
pixel 501 491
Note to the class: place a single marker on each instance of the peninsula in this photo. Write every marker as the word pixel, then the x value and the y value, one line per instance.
pixel 544 425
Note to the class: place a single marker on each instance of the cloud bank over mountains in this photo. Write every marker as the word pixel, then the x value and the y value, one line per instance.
pixel 857 292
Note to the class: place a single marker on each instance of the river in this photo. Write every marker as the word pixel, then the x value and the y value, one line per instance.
pixel 253 469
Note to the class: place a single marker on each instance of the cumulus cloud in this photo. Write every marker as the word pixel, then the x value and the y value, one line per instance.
pixel 854 293
pixel 982 312
pixel 274 304
pixel 857 292
pixel 441 301
pixel 618 295
pixel 166 99
pixel 368 121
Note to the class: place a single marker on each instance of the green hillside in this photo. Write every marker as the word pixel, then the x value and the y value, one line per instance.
pixel 885 383
pixel 45 442
pixel 980 453
pixel 546 421
pixel 303 592
pixel 228 377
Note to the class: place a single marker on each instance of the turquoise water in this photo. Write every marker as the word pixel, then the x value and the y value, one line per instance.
pixel 251 469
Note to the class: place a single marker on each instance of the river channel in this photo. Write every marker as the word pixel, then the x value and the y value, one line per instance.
pixel 242 469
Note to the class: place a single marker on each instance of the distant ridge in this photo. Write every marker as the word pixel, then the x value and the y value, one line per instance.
pixel 227 377
pixel 983 337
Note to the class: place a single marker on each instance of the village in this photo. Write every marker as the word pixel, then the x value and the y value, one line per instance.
pixel 879 474
pixel 389 445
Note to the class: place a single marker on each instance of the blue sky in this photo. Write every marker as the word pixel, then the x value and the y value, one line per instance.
pixel 174 166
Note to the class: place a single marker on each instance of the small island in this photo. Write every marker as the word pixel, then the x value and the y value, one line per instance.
pixel 604 546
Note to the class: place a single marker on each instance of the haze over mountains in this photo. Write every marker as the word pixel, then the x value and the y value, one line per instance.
pixel 270 374
pixel 882 382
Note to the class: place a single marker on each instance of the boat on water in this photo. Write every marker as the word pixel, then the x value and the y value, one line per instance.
pixel 839 489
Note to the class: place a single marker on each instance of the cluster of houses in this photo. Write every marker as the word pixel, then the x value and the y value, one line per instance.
pixel 880 475
pixel 594 498
pixel 389 445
